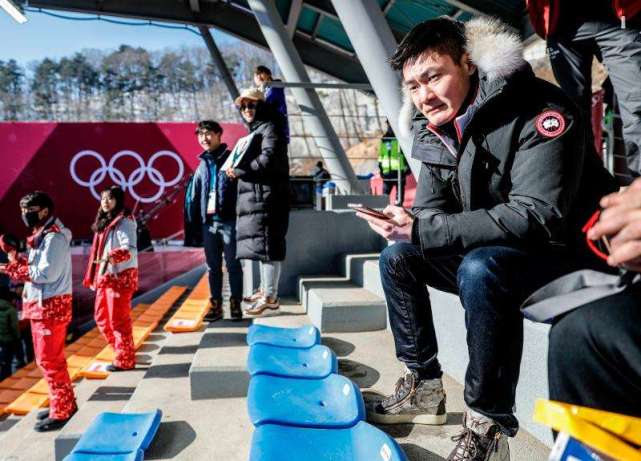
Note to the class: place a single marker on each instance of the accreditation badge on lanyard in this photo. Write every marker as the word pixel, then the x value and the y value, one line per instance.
pixel 211 202
pixel 213 183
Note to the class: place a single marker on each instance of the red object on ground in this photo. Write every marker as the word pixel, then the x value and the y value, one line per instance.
pixel 74 161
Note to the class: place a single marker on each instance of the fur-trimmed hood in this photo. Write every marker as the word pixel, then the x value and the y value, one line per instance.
pixel 496 51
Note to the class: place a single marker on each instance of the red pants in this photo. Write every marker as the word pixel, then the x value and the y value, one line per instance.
pixel 49 347
pixel 113 317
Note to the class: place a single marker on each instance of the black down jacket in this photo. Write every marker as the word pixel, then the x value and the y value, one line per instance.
pixel 263 190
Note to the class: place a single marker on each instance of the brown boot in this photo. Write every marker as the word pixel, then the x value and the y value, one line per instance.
pixel 215 310
pixel 235 309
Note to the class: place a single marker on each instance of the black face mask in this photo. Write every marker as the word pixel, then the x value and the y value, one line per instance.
pixel 30 219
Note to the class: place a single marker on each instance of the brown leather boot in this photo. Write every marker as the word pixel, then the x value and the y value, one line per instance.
pixel 235 309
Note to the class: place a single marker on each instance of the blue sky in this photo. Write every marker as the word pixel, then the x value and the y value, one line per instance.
pixel 45 36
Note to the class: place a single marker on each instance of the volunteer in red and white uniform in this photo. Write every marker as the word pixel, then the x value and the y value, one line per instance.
pixel 46 273
pixel 112 272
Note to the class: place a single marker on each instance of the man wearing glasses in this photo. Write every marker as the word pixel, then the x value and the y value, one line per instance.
pixel 212 196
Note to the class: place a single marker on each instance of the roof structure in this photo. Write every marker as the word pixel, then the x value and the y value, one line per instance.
pixel 315 28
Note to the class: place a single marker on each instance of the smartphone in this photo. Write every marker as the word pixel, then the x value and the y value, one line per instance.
pixel 368 211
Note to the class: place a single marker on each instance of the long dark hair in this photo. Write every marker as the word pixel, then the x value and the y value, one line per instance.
pixel 103 219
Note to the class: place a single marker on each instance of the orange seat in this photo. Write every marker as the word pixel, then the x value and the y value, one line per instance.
pixel 27 402
pixel 96 370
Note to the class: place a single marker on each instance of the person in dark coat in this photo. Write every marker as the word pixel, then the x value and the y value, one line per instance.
pixel 262 170
pixel 506 184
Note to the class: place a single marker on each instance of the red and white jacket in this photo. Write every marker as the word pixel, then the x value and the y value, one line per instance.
pixel 113 261
pixel 46 273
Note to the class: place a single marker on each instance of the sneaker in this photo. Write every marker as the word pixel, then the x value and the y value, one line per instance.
pixel 235 309
pixel 254 297
pixel 42 414
pixel 414 401
pixel 215 311
pixel 262 305
pixel 481 440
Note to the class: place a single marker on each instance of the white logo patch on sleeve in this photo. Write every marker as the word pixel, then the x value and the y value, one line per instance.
pixel 550 124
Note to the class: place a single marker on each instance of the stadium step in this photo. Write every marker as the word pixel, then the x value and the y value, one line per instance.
pixel 339 303
pixel 112 391
pixel 341 308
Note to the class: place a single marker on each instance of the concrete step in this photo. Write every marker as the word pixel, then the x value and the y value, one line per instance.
pixel 345 307
pixel 218 369
pixel 113 393
pixel 307 283
pixel 353 266
pixel 110 394
pixel 372 278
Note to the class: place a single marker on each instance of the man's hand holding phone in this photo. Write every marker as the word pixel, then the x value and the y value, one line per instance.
pixel 396 224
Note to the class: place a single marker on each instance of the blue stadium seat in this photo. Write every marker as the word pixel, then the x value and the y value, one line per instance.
pixel 313 363
pixel 117 436
pixel 133 456
pixel 331 402
pixel 302 337
pixel 362 442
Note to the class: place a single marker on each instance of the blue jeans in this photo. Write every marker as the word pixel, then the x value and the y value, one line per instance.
pixel 491 282
pixel 219 237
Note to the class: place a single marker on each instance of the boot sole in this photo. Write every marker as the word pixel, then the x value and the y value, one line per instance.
pixel 429 420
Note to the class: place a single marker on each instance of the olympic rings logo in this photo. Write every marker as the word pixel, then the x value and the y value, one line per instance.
pixel 135 177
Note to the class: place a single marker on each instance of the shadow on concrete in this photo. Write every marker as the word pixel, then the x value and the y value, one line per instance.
pixel 155 336
pixel 146 347
pixel 112 394
pixel 173 370
pixel 212 340
pixel 143 361
pixel 416 453
pixel 218 384
pixel 244 323
pixel 7 423
pixel 341 348
pixel 361 374
pixel 454 419
pixel 171 439
pixel 191 349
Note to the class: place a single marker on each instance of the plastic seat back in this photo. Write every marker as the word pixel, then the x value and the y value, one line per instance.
pixel 315 362
pixel 302 337
pixel 362 442
pixel 119 433
pixel 331 402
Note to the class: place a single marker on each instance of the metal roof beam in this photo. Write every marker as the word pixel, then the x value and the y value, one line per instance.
pixel 466 8
pixel 292 18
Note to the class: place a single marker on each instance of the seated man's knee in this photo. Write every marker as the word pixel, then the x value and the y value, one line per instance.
pixel 567 335
pixel 476 269
pixel 392 257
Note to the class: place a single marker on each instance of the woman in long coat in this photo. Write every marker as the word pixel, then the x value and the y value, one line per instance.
pixel 263 196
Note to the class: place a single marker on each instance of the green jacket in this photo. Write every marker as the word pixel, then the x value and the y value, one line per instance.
pixel 8 323
pixel 390 157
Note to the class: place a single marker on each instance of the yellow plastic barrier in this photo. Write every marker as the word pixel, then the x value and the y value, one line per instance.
pixel 603 431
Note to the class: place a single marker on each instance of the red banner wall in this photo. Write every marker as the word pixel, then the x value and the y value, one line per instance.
pixel 73 162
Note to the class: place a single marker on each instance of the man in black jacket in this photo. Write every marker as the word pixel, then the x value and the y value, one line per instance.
pixel 212 196
pixel 504 189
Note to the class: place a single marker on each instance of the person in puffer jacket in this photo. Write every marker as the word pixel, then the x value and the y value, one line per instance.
pixel 112 272
pixel 46 273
